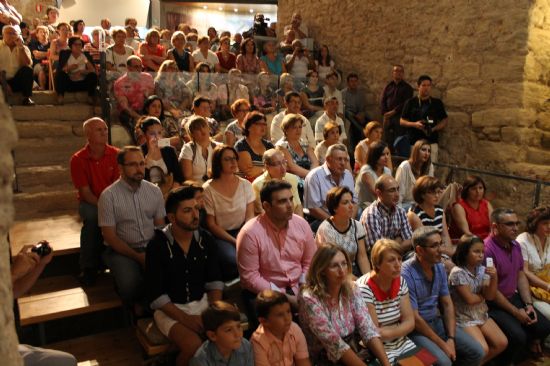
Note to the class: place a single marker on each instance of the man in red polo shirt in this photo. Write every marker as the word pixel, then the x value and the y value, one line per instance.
pixel 93 168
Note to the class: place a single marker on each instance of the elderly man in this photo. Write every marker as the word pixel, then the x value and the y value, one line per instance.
pixel 332 173
pixel 275 168
pixel 131 90
pixel 129 210
pixel 434 313
pixel 274 249
pixel 299 62
pixel 394 96
pixel 424 116
pixel 16 74
pixel 296 25
pixel 512 309
pixel 293 104
pixel 331 104
pixel 93 168
pixel 384 218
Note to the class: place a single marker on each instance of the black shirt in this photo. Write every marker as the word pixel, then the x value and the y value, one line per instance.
pixel 182 278
pixel 416 109
pixel 34 45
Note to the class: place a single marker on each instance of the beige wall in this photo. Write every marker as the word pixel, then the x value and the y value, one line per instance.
pixel 489 61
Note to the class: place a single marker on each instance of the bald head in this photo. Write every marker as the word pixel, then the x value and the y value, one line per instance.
pixel 387 190
pixel 95 130
pixel 9 35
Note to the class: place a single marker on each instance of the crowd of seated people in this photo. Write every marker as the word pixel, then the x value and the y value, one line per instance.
pixel 230 179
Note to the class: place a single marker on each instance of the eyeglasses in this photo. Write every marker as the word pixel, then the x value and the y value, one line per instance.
pixel 433 246
pixel 278 163
pixel 141 164
pixel 336 266
pixel 511 223
pixel 230 159
pixel 341 160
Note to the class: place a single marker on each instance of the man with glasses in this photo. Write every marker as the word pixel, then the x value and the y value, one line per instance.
pixel 131 90
pixel 434 315
pixel 384 218
pixel 275 168
pixel 512 309
pixel 319 181
pixel 293 104
pixel 129 209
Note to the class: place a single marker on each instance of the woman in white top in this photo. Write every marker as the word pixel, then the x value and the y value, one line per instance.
pixel 535 248
pixel 342 230
pixel 196 155
pixel 324 62
pixel 117 54
pixel 203 54
pixel 377 164
pixel 331 136
pixel 418 165
pixel 373 132
pixel 229 203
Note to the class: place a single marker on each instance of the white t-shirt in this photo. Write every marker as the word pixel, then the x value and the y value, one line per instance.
pixel 338 95
pixel 533 253
pixel 81 62
pixel 320 125
pixel 230 212
pixel 200 165
pixel 300 67
pixel 211 58
pixel 119 61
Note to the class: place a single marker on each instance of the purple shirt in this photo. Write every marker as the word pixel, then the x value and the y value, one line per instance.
pixel 508 262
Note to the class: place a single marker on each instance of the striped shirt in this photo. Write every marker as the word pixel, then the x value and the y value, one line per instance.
pixel 388 311
pixel 381 222
pixel 131 213
pixel 427 220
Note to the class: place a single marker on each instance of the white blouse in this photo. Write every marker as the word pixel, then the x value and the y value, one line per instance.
pixel 532 252
pixel 406 179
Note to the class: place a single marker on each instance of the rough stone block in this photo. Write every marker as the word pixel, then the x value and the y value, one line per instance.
pixel 504 117
pixel 458 120
pixel 503 68
pixel 468 95
pixel 538 156
pixel 508 94
pixel 522 136
pixel 545 141
pixel 456 70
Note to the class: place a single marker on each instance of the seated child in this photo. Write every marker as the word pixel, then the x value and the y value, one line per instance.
pixel 278 340
pixel 225 345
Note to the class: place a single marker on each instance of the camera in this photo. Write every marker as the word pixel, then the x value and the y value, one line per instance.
pixel 42 248
pixel 428 125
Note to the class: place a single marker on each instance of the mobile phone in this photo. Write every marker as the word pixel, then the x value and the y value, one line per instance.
pixel 164 142
pixel 489 262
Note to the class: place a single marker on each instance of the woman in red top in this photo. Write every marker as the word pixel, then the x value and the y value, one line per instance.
pixel 227 59
pixel 152 53
pixel 471 215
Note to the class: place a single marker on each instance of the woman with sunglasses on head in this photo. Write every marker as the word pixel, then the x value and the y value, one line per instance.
pixel 229 202
pixel 333 315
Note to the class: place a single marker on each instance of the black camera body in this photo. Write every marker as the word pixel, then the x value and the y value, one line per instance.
pixel 428 125
pixel 42 248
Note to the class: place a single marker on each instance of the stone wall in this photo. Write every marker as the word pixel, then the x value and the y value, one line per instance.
pixel 8 138
pixel 488 59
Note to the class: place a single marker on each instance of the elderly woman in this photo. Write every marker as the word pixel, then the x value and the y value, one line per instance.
pixel 175 95
pixel 263 96
pixel 272 61
pixel 247 61
pixel 227 59
pixel 252 146
pixel 229 202
pixel 535 247
pixel 471 215
pixel 419 164
pixel 229 93
pixel 152 53
pixel 196 155
pixel 78 30
pixel 331 136
pixel 427 212
pixel 387 297
pixel 77 73
pixel 300 156
pixel 377 165
pixel 234 130
pixel 117 54
pixel 161 163
pixel 343 230
pixel 286 84
pixel 178 53
pixel 334 316
pixel 373 132
pixel 93 47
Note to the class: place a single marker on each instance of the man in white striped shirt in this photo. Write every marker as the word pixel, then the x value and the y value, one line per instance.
pixel 129 209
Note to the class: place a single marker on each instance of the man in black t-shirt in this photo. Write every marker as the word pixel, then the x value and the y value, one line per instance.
pixel 424 116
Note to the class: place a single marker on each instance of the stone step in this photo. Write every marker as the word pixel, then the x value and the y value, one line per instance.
pixel 35 179
pixel 46 151
pixel 50 129
pixel 68 112
pixel 44 204
pixel 49 97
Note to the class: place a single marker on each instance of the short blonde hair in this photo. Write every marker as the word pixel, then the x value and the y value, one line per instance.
pixel 381 247
pixel 151 33
pixel 117 30
pixel 290 120
pixel 175 35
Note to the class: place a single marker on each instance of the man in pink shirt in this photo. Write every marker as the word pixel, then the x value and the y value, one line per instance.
pixel 274 249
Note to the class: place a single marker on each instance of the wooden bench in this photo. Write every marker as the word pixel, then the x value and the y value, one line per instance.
pixel 62 296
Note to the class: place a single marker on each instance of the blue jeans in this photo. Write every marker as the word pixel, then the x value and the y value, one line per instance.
pixel 128 275
pixel 227 253
pixel 91 240
pixel 468 351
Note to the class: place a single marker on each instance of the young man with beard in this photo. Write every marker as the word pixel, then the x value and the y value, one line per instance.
pixel 182 273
